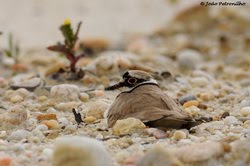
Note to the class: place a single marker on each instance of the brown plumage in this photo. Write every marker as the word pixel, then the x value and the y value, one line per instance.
pixel 147 102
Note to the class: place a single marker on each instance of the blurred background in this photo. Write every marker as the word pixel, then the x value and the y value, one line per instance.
pixel 34 23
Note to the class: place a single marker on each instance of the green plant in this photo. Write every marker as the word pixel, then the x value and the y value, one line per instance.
pixel 13 50
pixel 67 48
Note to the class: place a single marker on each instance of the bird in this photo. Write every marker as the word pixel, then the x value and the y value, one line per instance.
pixel 142 98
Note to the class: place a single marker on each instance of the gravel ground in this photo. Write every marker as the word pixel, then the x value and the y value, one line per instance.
pixel 205 52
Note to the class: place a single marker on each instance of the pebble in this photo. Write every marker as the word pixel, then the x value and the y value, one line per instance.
pixel 199 81
pixel 16 115
pixel 191 103
pixel 97 109
pixel 200 152
pixel 157 133
pixel 30 83
pixel 80 151
pixel 192 110
pixel 188 59
pixel 16 99
pixel 231 120
pixel 46 117
pixel 68 106
pixel 70 128
pixel 205 96
pixel 178 135
pixel 245 103
pixel 159 156
pixel 187 98
pixel 47 152
pixel 63 121
pixel 89 119
pixel 127 126
pixel 51 124
pixel 5 161
pixel 245 111
pixel 247 123
pixel 18 135
pixel 41 127
pixel 84 97
pixel 65 93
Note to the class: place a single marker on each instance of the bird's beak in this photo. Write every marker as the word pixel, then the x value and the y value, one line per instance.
pixel 116 86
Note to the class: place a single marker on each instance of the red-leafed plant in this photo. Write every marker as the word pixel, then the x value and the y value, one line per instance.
pixel 67 48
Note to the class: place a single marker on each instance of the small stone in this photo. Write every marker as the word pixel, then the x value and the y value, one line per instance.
pixel 16 99
pixel 41 127
pixel 42 98
pixel 89 119
pixel 231 120
pixel 245 103
pixel 205 96
pixel 51 124
pixel 159 156
pixel 70 128
pixel 23 92
pixel 16 115
pixel 178 135
pixel 47 152
pixel 247 123
pixel 65 93
pixel 127 126
pixel 157 133
pixel 192 111
pixel 84 97
pixel 80 151
pixel 185 99
pixel 99 93
pixel 245 111
pixel 199 81
pixel 200 152
pixel 224 115
pixel 68 106
pixel 5 161
pixel 189 59
pixel 46 117
pixel 97 109
pixel 191 103
pixel 63 121
pixel 18 135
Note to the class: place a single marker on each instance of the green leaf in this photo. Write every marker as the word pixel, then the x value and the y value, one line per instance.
pixel 68 35
pixel 8 53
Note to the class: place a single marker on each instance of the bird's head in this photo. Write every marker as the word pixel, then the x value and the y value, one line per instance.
pixel 132 79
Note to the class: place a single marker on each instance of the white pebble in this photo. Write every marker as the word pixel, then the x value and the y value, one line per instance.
pixel 179 135
pixel 231 120
pixel 70 128
pixel 16 99
pixel 65 93
pixel 47 152
pixel 80 151
pixel 127 126
pixel 199 81
pixel 63 121
pixel 245 111
pixel 189 59
pixel 19 135
pixel 41 127
pixel 68 106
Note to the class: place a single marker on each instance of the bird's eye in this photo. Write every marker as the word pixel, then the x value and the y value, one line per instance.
pixel 132 80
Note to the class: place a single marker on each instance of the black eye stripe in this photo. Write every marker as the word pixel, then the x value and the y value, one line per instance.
pixel 125 75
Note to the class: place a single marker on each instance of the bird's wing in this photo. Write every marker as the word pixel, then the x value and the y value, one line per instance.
pixel 146 106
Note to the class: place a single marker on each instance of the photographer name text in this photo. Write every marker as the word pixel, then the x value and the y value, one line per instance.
pixel 238 3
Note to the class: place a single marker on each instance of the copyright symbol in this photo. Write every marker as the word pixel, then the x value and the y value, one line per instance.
pixel 202 3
